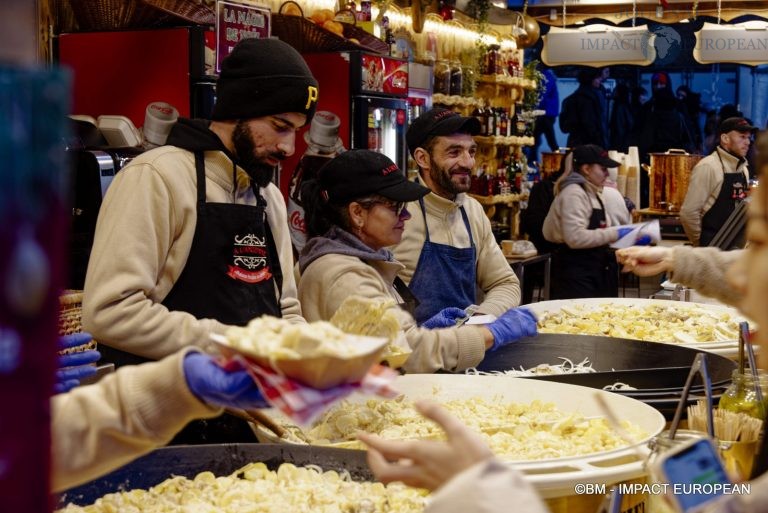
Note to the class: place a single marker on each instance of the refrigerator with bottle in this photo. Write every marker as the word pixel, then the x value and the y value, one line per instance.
pixel 368 93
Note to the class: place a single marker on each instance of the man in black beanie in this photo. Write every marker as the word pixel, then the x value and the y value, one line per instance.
pixel 192 237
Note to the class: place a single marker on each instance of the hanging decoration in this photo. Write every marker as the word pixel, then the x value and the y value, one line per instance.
pixel 599 45
pixel 742 43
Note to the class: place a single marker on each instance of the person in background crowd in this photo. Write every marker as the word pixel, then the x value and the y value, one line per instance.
pixel 532 223
pixel 622 119
pixel 98 428
pixel 192 237
pixel 582 115
pixel 639 98
pixel 663 125
pixel 355 209
pixel 449 239
pixel 718 182
pixel 691 103
pixel 711 133
pixel 545 124
pixel 583 265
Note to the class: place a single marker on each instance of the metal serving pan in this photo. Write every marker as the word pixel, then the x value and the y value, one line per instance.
pixel 657 371
pixel 725 348
pixel 221 459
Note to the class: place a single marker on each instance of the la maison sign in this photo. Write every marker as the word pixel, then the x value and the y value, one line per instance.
pixel 599 45
pixel 745 43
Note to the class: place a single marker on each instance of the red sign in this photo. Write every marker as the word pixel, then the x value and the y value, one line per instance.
pixel 236 21
pixel 384 75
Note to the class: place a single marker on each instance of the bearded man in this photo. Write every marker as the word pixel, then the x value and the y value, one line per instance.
pixel 192 236
pixel 448 248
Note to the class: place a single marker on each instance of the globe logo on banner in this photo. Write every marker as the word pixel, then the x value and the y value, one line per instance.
pixel 667 44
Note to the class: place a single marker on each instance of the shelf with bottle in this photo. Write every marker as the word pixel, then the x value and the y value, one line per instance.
pixel 454 100
pixel 524 83
pixel 512 140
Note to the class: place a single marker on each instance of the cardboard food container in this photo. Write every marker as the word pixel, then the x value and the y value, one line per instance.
pixel 319 372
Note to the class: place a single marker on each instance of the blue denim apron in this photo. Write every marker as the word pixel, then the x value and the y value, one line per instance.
pixel 445 275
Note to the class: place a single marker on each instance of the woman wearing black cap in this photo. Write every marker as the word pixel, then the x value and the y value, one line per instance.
pixel 354 210
pixel 583 264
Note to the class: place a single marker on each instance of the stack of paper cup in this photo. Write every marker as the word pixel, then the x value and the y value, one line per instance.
pixel 158 120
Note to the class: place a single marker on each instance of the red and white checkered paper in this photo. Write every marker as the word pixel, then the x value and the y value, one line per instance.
pixel 303 404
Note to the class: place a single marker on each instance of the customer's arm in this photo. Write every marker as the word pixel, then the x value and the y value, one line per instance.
pixel 703 269
pixel 99 427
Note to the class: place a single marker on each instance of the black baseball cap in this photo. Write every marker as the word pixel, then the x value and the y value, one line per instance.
pixel 358 173
pixel 738 124
pixel 592 154
pixel 439 121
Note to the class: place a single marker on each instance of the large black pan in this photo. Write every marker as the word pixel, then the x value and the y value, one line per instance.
pixel 223 459
pixel 657 371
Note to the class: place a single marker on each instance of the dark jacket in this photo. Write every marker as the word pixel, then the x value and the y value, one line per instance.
pixel 532 218
pixel 582 117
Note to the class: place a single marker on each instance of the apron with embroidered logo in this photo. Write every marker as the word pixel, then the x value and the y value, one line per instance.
pixel 589 272
pixel 732 191
pixel 445 276
pixel 232 275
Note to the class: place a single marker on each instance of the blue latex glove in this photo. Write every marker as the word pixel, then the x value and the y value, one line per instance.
pixel 445 318
pixel 515 323
pixel 76 366
pixel 217 387
pixel 643 240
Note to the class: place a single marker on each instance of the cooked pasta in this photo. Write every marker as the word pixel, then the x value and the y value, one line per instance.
pixel 255 488
pixel 514 431
pixel 653 323
pixel 270 337
pixel 542 369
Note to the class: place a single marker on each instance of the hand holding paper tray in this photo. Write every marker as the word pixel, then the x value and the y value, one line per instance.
pixel 632 234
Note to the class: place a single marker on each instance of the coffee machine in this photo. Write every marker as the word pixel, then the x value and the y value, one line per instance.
pixel 93 165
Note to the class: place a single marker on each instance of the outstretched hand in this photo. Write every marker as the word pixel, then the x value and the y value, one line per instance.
pixel 645 261
pixel 426 463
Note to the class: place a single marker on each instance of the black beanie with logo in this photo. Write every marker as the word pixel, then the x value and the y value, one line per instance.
pixel 262 77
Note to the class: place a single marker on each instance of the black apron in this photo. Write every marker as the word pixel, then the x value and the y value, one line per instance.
pixel 232 275
pixel 732 191
pixel 584 273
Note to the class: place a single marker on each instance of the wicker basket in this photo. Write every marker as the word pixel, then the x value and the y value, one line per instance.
pixel 188 10
pixel 70 319
pixel 115 14
pixel 307 37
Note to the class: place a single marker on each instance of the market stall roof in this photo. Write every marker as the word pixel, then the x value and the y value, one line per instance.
pixel 618 11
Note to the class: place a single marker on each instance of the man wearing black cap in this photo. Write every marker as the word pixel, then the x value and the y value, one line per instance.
pixel 448 248
pixel 718 182
pixel 192 236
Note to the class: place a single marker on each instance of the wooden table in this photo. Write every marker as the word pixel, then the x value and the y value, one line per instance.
pixel 519 264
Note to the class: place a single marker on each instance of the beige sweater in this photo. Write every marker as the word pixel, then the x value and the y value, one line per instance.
pixel 495 278
pixel 704 188
pixel 330 279
pixel 568 219
pixel 100 427
pixel 704 269
pixel 143 237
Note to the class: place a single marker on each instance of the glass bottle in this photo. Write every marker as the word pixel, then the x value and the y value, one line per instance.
pixel 493 60
pixel 457 78
pixel 741 396
pixel 442 78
